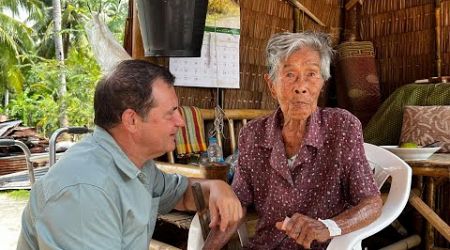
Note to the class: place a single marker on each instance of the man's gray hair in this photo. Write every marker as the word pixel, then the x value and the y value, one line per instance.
pixel 283 45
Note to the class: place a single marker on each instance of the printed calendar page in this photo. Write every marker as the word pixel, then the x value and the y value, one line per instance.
pixel 218 66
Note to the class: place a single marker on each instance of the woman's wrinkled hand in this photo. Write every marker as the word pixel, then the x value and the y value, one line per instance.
pixel 224 206
pixel 304 230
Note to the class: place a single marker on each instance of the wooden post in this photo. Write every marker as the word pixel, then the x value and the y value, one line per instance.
pixel 202 210
pixel 438 38
pixel 430 190
pixel 352 21
pixel 138 46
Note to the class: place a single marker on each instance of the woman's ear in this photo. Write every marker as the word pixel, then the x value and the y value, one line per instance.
pixel 271 86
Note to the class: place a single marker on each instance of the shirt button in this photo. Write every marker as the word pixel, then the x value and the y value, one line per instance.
pixel 141 176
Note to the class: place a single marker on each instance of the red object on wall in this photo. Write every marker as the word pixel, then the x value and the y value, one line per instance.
pixel 358 88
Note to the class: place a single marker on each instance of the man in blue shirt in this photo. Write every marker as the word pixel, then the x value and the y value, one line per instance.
pixel 105 192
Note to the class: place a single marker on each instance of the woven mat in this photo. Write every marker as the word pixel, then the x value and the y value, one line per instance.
pixel 180 219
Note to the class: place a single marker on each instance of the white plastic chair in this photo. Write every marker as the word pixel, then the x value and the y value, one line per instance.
pixel 195 238
pixel 386 165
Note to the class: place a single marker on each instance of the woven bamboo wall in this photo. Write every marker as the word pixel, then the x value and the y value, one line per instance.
pixel 404 37
pixel 329 12
pixel 403 33
pixel 259 20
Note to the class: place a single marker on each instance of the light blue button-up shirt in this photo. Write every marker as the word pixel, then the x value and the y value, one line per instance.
pixel 96 198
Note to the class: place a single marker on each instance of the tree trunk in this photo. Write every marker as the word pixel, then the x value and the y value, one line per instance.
pixel 6 101
pixel 59 51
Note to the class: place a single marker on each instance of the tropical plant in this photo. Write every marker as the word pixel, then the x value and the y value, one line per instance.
pixel 15 42
pixel 38 104
pixel 75 13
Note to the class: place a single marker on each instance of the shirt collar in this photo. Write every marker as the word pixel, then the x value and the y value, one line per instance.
pixel 313 135
pixel 107 142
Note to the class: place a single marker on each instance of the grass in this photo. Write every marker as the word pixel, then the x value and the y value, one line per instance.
pixel 16 194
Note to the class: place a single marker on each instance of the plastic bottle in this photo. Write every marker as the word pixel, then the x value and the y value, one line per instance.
pixel 215 153
pixel 232 161
pixel 203 160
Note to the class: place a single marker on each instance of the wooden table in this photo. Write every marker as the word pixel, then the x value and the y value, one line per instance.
pixel 434 170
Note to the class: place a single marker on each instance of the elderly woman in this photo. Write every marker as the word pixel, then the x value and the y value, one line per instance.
pixel 303 162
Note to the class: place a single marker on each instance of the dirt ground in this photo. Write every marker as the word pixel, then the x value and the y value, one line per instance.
pixel 10 213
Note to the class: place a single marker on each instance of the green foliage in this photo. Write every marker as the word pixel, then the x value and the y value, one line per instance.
pixel 32 66
pixel 218 9
pixel 15 40
pixel 38 104
pixel 112 12
pixel 17 194
pixel 222 7
pixel 34 109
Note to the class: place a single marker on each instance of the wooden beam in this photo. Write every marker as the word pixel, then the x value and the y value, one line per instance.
pixel 183 169
pixel 429 214
pixel 437 12
pixel 235 114
pixel 307 12
pixel 352 3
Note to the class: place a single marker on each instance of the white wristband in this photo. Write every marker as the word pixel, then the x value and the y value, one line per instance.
pixel 333 228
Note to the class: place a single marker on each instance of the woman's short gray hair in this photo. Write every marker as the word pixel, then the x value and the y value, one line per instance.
pixel 283 45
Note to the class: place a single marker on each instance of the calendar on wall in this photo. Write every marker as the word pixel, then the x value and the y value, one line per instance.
pixel 218 65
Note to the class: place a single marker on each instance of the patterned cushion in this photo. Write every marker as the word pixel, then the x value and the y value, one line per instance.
pixel 385 126
pixel 426 124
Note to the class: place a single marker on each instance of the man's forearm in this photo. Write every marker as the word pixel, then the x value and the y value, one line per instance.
pixel 187 202
pixel 360 215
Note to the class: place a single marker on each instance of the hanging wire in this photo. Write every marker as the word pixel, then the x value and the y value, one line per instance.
pixel 219 114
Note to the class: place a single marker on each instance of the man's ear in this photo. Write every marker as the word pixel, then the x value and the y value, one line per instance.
pixel 130 119
pixel 270 84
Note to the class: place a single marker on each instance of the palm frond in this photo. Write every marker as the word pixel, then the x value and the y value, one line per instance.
pixel 15 34
pixel 15 78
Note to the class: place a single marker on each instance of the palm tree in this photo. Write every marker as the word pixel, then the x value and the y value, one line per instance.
pixel 15 41
pixel 59 52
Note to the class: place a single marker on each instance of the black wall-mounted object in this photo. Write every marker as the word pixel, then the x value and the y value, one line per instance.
pixel 172 27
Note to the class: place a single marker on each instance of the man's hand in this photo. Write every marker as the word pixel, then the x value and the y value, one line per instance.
pixel 224 206
pixel 304 230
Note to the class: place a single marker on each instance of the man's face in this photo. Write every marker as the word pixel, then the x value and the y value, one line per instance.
pixel 157 131
pixel 298 84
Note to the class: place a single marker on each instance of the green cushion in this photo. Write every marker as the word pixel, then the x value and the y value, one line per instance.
pixel 384 128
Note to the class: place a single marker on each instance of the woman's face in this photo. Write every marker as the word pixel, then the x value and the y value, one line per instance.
pixel 298 84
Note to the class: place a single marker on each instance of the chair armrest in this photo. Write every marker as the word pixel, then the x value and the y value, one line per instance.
pixel 395 203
